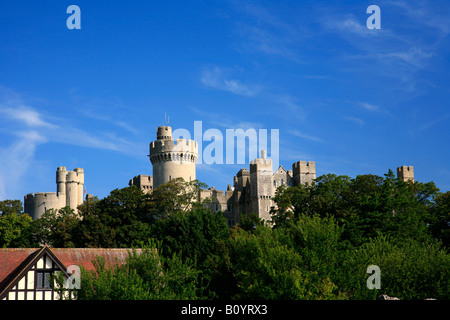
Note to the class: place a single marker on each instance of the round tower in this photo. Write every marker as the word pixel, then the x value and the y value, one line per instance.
pixel 80 176
pixel 72 189
pixel 61 173
pixel 172 159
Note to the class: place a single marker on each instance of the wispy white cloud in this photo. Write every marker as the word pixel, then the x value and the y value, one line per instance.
pixel 299 134
pixel 264 31
pixel 225 121
pixel 398 50
pixel 30 125
pixel 26 115
pixel 369 107
pixel 30 128
pixel 430 124
pixel 217 78
pixel 347 25
pixel 355 120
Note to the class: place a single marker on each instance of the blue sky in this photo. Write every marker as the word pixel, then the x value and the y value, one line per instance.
pixel 353 100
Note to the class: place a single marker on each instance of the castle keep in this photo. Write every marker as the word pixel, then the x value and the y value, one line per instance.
pixel 172 159
pixel 69 192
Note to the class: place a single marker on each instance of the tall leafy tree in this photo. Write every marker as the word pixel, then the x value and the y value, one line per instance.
pixel 202 236
pixel 15 230
pixel 56 228
pixel 119 220
pixel 439 218
pixel 10 206
pixel 265 267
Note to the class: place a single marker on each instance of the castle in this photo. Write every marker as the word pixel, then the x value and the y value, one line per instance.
pixel 252 191
pixel 69 192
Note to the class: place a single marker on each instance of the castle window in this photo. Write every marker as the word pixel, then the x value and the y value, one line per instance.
pixel 170 178
pixel 282 182
pixel 274 183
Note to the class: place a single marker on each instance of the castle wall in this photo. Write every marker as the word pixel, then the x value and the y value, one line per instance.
pixel 143 182
pixel 69 192
pixel 35 204
pixel 282 177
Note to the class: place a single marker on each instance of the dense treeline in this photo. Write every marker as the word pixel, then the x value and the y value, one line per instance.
pixel 323 238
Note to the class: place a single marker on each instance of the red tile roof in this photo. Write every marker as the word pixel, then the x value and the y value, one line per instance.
pixel 11 258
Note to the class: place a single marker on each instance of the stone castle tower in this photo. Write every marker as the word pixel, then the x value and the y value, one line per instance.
pixel 406 173
pixel 69 192
pixel 172 159
pixel 261 188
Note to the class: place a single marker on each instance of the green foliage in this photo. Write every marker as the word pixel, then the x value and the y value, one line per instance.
pixel 250 222
pixel 201 236
pixel 324 237
pixel 174 197
pixel 15 230
pixel 144 276
pixel 55 228
pixel 119 220
pixel 266 268
pixel 366 206
pixel 10 206
pixel 409 270
pixel 318 241
pixel 439 218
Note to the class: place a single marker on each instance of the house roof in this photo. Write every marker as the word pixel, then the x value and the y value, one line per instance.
pixel 14 260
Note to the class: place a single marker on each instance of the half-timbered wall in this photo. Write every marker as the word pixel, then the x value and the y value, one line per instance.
pixel 35 284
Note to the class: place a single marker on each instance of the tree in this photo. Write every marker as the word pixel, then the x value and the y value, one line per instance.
pixel 440 218
pixel 10 206
pixel 15 230
pixel 56 228
pixel 119 220
pixel 409 270
pixel 250 222
pixel 318 241
pixel 143 276
pixel 174 196
pixel 366 206
pixel 201 236
pixel 265 267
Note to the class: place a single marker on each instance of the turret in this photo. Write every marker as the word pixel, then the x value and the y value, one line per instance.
pixel 172 159
pixel 61 173
pixel 80 177
pixel 304 171
pixel 72 189
pixel 261 189
pixel 405 173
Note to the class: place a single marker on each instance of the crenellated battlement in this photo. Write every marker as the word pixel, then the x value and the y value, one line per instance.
pixel 172 158
pixel 303 167
pixel 40 196
pixel 304 171
pixel 69 192
pixel 180 146
pixel 406 173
